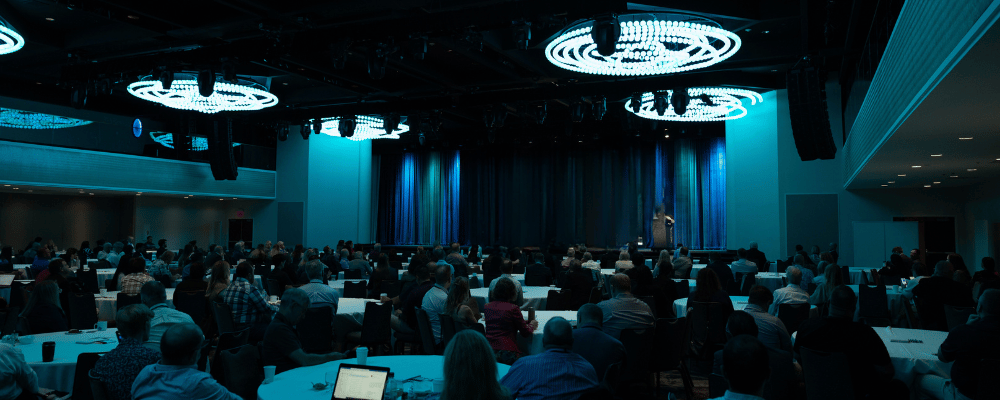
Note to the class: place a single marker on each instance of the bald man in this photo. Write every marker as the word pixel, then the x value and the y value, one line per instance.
pixel 557 373
pixel 623 310
pixel 967 345
pixel 590 341
pixel 176 376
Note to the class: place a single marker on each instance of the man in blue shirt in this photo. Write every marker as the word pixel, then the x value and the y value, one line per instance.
pixel 591 343
pixel 555 374
pixel 435 299
pixel 177 376
pixel 320 294
pixel 746 366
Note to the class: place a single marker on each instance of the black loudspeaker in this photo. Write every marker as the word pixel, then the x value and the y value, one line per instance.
pixel 807 110
pixel 220 150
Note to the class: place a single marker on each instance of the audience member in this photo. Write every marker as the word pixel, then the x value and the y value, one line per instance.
pixel 538 272
pixel 757 257
pixel 360 264
pixel 195 282
pixel 43 311
pixel 623 264
pixel 116 253
pixel 176 376
pixel 405 320
pixel 640 275
pixel 160 269
pixel 60 273
pixel 154 296
pixel 250 307
pixel 320 294
pixel 570 256
pixel 824 259
pixel 191 259
pixel 836 256
pixel 871 369
pixel 663 265
pixel 738 323
pixel 624 311
pixel 791 294
pixel 218 281
pixel 579 281
pixel 118 368
pixel 41 261
pixel 967 345
pixel 805 269
pixel 934 292
pixel 557 373
pixel 747 368
pixel 957 262
pixel 135 276
pixel 772 331
pixel 784 370
pixel 831 279
pixel 591 343
pixel 920 272
pixel 281 346
pixel 709 290
pixel 457 261
pixel 468 358
pixel 506 271
pixel 742 264
pixel 460 305
pixel 435 299
pixel 17 379
pixel 722 271
pixel 504 321
pixel 893 270
pixel 682 264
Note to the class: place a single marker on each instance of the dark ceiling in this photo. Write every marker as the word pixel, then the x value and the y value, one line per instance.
pixel 471 61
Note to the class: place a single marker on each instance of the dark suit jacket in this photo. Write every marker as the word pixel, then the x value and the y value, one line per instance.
pixel 758 258
pixel 936 291
pixel 580 282
pixel 542 272
pixel 642 280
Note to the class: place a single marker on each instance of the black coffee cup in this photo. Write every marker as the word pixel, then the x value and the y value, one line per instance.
pixel 48 351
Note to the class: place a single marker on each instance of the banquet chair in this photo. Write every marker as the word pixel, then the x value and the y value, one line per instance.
pixel 127 300
pixel 595 295
pixel 375 329
pixel 9 320
pixel 353 274
pixel 447 328
pixel 18 295
pixel 611 376
pixel 876 280
pixel 780 266
pixel 638 358
pixel 792 315
pixel 708 328
pixel 316 330
pixel 426 334
pixel 746 281
pixel 355 290
pixel 191 303
pixel 89 280
pixel 475 284
pixel 683 288
pixel 488 280
pixel 989 369
pixel 717 385
pixel 274 288
pixel 651 302
pixel 672 338
pixel 82 310
pixel 244 370
pixel 559 300
pixel 957 316
pixel 223 317
pixel 827 375
pixel 81 376
pixel 230 340
pixel 864 278
pixel 97 388
pixel 111 285
pixel 263 270
pixel 873 306
pixel 392 288
pixel 391 275
pixel 534 280
pixel 845 275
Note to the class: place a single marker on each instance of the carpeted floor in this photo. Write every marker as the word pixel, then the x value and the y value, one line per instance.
pixel 672 382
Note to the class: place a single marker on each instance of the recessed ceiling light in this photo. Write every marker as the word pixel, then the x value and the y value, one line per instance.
pixel 954 176
pixel 916 166
pixel 30 191
pixel 965 138
pixel 936 155
pixel 901 175
pixel 892 181
pixel 7 185
pixel 936 183
pixel 927 185
pixel 885 185
pixel 14 188
pixel 91 194
pixel 221 199
pixel 284 83
pixel 765 32
pixel 971 169
pixel 133 16
pixel 38 83
pixel 50 19
pixel 234 198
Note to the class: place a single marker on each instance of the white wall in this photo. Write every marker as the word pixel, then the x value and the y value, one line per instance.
pixel 206 220
pixel 66 219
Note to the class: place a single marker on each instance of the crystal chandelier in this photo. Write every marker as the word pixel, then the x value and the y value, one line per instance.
pixel 705 104
pixel 649 44
pixel 245 95
pixel 18 119
pixel 368 127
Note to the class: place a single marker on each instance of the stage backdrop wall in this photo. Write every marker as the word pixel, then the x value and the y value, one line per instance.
pixel 528 197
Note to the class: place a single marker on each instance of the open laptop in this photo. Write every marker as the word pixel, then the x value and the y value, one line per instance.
pixel 6 280
pixel 360 382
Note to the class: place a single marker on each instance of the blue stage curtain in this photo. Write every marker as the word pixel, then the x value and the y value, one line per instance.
pixel 712 160
pixel 419 198
pixel 687 212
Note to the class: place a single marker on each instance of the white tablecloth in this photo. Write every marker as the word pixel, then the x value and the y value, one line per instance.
pixel 695 268
pixel 534 296
pixel 103 275
pixel 58 374
pixel 680 305
pixel 533 344
pixel 339 285
pixel 297 383
pixel 856 273
pixel 770 280
pixel 897 305
pixel 914 359
pixel 107 307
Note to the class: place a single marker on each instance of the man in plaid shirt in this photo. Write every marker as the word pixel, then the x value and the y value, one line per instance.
pixel 250 308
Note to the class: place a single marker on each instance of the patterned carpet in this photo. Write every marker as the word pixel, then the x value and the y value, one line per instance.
pixel 672 382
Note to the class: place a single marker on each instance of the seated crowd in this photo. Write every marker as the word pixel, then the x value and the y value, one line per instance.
pixel 762 352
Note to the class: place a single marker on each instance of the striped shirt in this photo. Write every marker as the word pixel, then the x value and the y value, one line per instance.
pixel 556 374
pixel 247 303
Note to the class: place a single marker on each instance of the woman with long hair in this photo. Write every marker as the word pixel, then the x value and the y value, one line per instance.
pixel 43 311
pixel 709 289
pixel 219 280
pixel 504 321
pixel 833 278
pixel 458 305
pixel 664 264
pixel 470 370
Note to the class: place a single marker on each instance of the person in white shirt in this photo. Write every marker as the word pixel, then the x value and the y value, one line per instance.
pixel 154 296
pixel 436 299
pixel 791 294
pixel 742 264
pixel 16 376
pixel 115 253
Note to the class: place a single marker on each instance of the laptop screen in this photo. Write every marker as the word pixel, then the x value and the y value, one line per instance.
pixel 360 382
pixel 6 280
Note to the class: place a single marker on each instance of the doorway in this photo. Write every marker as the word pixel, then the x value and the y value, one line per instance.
pixel 937 237
pixel 241 230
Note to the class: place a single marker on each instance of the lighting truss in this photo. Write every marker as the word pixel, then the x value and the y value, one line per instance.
pixel 724 104
pixel 18 119
pixel 649 44
pixel 245 95
pixel 368 127
pixel 166 139
pixel 10 40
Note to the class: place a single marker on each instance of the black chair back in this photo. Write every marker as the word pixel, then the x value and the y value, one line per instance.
pixel 8 318
pixel 82 310
pixel 595 295
pixel 89 280
pixel 353 274
pixel 683 288
pixel 274 288
pixel 192 303
pixel 316 330
pixel 638 358
pixel 827 375
pixel 474 282
pixel 223 317
pixel 845 275
pixel 535 280
pixel 673 337
pixel 81 377
pixel 375 330
pixel 864 278
pixel 559 300
pixel 781 266
pixel 97 388
pixel 392 288
pixel 745 281
pixel 263 269
pixel 488 280
pixel 708 328
pixel 447 328
pixel 811 287
pixel 651 302
pixel 127 299
pixel 956 316
pixel 391 274
pixel 18 296
pixel 244 370
pixel 792 315
pixel 356 290
pixel 111 284
pixel 988 371
pixel 426 334
pixel 873 305
pixel 718 384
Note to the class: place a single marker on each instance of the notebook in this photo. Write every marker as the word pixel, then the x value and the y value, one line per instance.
pixel 6 280
pixel 360 382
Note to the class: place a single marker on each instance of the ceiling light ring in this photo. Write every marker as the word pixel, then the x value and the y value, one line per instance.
pixel 246 95
pixel 728 105
pixel 368 127
pixel 10 40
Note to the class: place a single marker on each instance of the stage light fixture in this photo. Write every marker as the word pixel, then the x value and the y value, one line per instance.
pixel 417 48
pixel 728 104
pixel 522 34
pixel 680 100
pixel 338 52
pixel 421 139
pixel 577 111
pixel 18 119
pixel 489 118
pixel 304 130
pixel 206 82
pixel 605 34
pixel 10 40
pixel 501 115
pixel 660 103
pixel 166 79
pixel 166 139
pixel 185 94
pixel 600 108
pixel 648 44
pixel 317 125
pixel 541 112
pixel 229 72
pixel 378 60
pixel 391 123
pixel 362 127
pixel 636 102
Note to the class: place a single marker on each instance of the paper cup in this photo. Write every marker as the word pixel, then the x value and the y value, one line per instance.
pixel 362 355
pixel 269 373
pixel 438 385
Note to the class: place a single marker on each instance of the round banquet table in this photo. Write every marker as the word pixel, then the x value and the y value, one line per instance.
pixel 534 296
pixel 533 344
pixel 897 305
pixel 856 274
pixel 739 303
pixel 695 268
pixel 103 275
pixel 911 360
pixel 107 307
pixel 297 383
pixel 770 280
pixel 58 374
pixel 338 285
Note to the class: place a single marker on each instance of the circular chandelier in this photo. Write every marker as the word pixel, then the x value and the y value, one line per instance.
pixel 166 139
pixel 367 127
pixel 704 104
pixel 245 95
pixel 10 40
pixel 18 119
pixel 649 44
